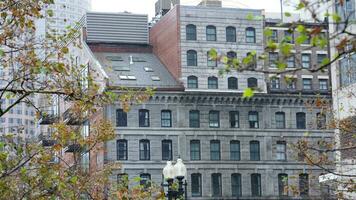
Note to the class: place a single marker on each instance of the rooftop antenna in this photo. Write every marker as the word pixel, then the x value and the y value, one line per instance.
pixel 282 11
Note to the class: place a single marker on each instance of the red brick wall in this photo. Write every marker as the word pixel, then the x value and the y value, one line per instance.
pixel 165 39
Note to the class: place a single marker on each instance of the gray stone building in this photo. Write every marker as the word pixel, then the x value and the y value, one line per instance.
pixel 234 148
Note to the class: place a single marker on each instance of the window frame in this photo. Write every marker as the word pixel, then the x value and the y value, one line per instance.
pixel 234 121
pixel 256 190
pixel 304 184
pixel 211 36
pixel 213 82
pixel 255 151
pixel 236 186
pixel 144 154
pixel 256 123
pixel 199 187
pixel 280 123
pixel 216 188
pixel 165 120
pixel 211 62
pixel 250 38
pixel 214 122
pixel 251 84
pixel 235 154
pixel 123 121
pixel 192 58
pixel 197 121
pixel 191 35
pixel 275 83
pixel 306 64
pixel 190 84
pixel 280 152
pixel 195 152
pixel 230 34
pixel 215 152
pixel 307 86
pixel 144 118
pixel 324 87
pixel 301 122
pixel 273 62
pixel 282 184
pixel 288 33
pixel 320 121
pixel 167 155
pixel 232 83
pixel 118 149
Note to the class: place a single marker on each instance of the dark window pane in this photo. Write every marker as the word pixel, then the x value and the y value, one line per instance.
pixel 192 58
pixel 234 119
pixel 216 185
pixel 252 82
pixel 280 120
pixel 235 150
pixel 306 61
pixel 192 82
pixel 274 36
pixel 250 35
pixel 320 121
pixel 121 147
pixel 191 32
pixel 215 150
pixel 283 184
pixel 196 185
pixel 232 83
pixel 145 180
pixel 275 83
pixel 307 83
pixel 121 118
pixel 166 118
pixel 230 34
pixel 210 33
pixel 167 150
pixel 281 150
pixel 214 119
pixel 144 150
pixel 323 84
pixel 291 61
pixel 144 118
pixel 303 184
pixel 256 185
pixel 255 150
pixel 123 180
pixel 194 150
pixel 253 119
pixel 213 83
pixel 273 59
pixel 194 119
pixel 236 186
pixel 301 123
pixel 289 36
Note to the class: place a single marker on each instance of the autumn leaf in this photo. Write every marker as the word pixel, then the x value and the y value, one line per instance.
pixel 248 93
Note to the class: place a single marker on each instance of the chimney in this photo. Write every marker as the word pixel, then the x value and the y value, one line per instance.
pixel 210 3
pixel 163 6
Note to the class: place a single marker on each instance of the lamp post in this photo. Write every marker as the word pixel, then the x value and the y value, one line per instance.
pixel 171 172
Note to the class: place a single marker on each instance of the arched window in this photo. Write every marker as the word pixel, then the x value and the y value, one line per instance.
pixel 232 83
pixel 192 82
pixel 250 35
pixel 191 32
pixel 211 33
pixel 213 82
pixel 252 82
pixel 230 34
pixel 252 61
pixel 192 58
pixel 211 62
pixel 231 54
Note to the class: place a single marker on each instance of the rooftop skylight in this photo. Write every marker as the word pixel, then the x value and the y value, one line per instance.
pixel 148 69
pixel 127 77
pixel 155 78
pixel 114 58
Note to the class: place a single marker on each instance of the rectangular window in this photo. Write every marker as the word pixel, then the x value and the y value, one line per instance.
pixel 144 118
pixel 301 121
pixel 323 84
pixel 166 118
pixel 320 58
pixel 275 83
pixel 123 180
pixel 306 61
pixel 216 185
pixel 236 187
pixel 210 33
pixel 281 150
pixel 256 185
pixel 167 150
pixel 144 150
pixel 255 150
pixel 196 185
pixel 214 119
pixel 194 119
pixel 121 118
pixel 292 84
pixel 215 150
pixel 145 180
pixel 211 62
pixel 253 119
pixel 289 36
pixel 283 184
pixel 121 147
pixel 303 184
pixel 280 120
pixel 212 83
pixel 273 59
pixel 234 119
pixel 235 150
pixel 194 150
pixel 291 61
pixel 307 83
pixel 274 36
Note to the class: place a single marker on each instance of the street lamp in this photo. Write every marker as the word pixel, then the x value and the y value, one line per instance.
pixel 178 171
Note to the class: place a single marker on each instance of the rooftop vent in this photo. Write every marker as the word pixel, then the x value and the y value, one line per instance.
pixel 155 78
pixel 148 69
pixel 127 77
pixel 114 58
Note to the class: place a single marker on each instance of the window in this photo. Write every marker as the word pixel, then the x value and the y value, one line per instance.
pixel 210 33
pixel 281 150
pixel 289 36
pixel 215 150
pixel 250 35
pixel 283 184
pixel 212 82
pixel 232 83
pixel 275 83
pixel 166 118
pixel 320 58
pixel 145 180
pixel 144 118
pixel 301 124
pixel 194 119
pixel 234 150
pixel 211 62
pixel 234 119
pixel 144 150
pixel 192 82
pixel 231 55
pixel 303 184
pixel 347 70
pixel 167 150
pixel 123 180
pixel 252 61
pixel 323 84
pixel 230 34
pixel 121 148
pixel 192 58
pixel 256 185
pixel 196 185
pixel 253 119
pixel 214 119
pixel 280 120
pixel 274 36
pixel 306 61
pixel 252 82
pixel 307 83
pixel 194 150
pixel 291 61
pixel 216 185
pixel 292 84
pixel 320 121
pixel 255 150
pixel 236 186
pixel 191 32
pixel 273 59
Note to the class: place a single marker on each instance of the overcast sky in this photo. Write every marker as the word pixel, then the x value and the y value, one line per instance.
pixel 147 6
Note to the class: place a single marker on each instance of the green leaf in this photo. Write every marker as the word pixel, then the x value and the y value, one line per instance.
pixel 250 16
pixel 268 32
pixel 248 93
pixel 286 49
pixel 325 61
pixel 74 179
pixel 2 53
pixel 137 179
pixel 281 66
pixel 300 6
pixel 213 54
pixel 287 14
pixel 301 29
pixel 50 13
pixel 336 18
pixel 301 39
